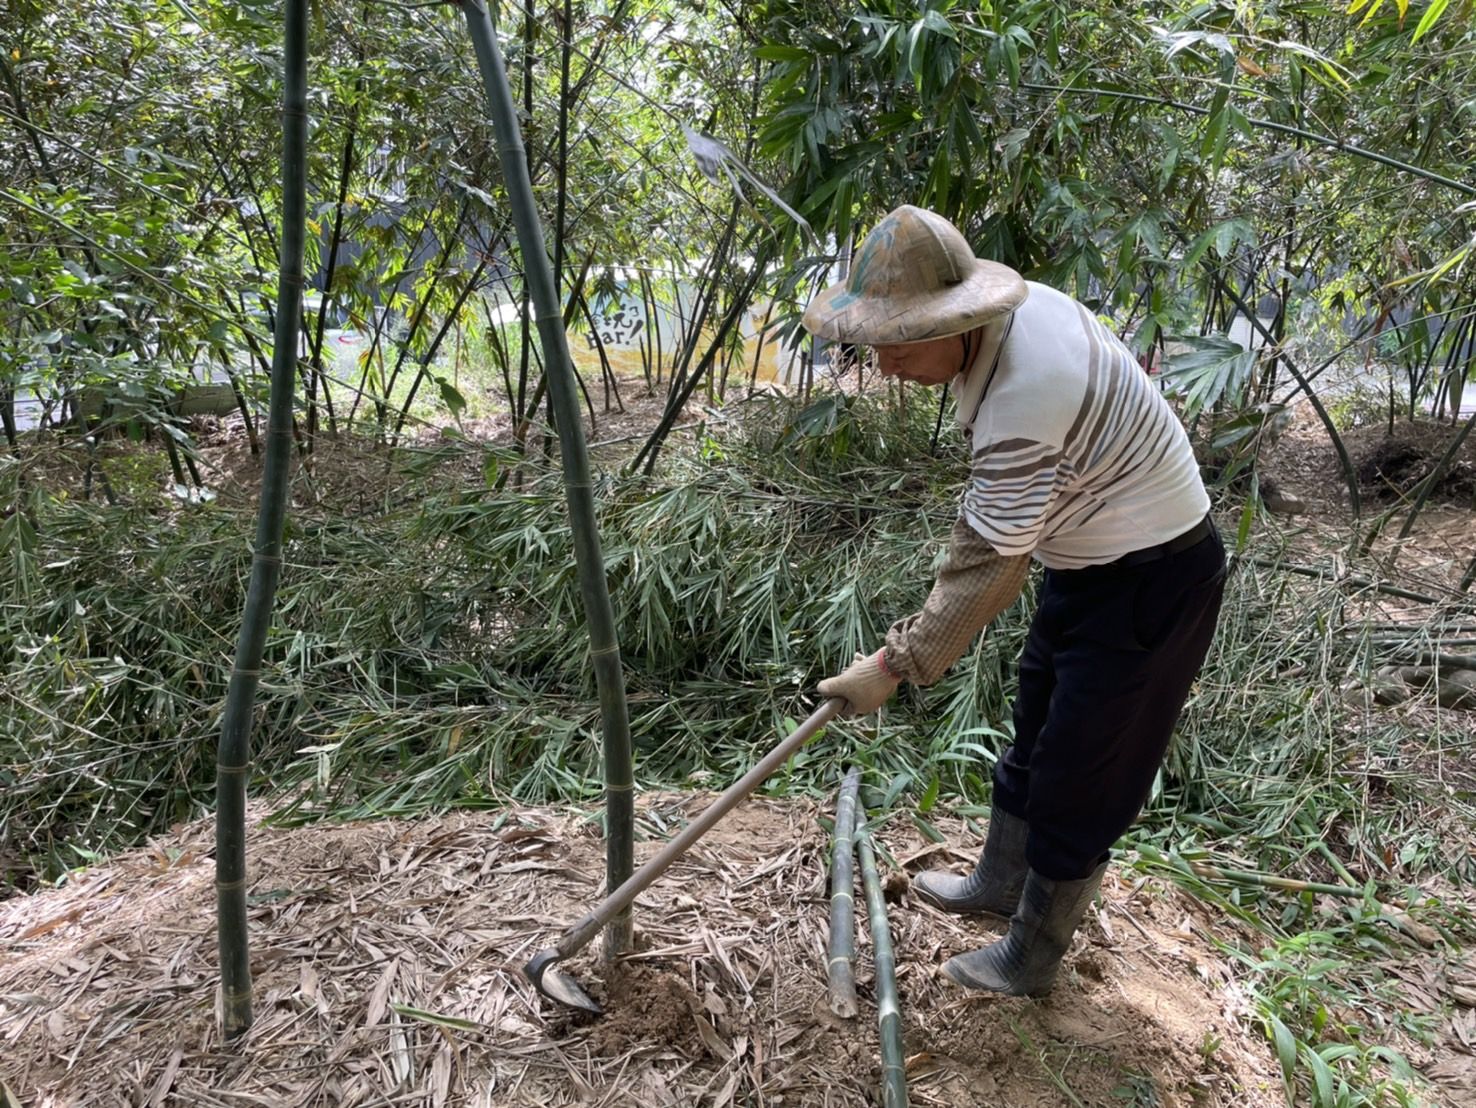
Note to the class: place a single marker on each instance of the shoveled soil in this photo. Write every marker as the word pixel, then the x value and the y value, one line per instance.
pixel 1389 464
pixel 386 961
pixel 1436 555
pixel 1392 467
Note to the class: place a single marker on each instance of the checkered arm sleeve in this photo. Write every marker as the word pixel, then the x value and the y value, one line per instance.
pixel 975 583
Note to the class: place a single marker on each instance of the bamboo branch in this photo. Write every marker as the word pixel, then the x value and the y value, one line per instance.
pixel 1265 125
pixel 842 949
pixel 1350 476
pixel 1271 881
pixel 1352 581
pixel 1428 484
pixel 888 1011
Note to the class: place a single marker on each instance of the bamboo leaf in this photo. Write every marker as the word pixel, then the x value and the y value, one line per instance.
pixel 914 52
pixel 930 795
pixel 1377 4
pixel 1207 369
pixel 1427 21
pixel 1322 1078
pixel 455 1023
pixel 1247 517
pixel 1286 1048
pixel 935 20
pixel 929 831
pixel 1334 71
pixel 454 401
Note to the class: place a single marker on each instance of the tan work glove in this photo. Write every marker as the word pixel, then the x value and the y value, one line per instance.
pixel 865 685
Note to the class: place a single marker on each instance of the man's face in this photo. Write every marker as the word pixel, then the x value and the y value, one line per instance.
pixel 932 362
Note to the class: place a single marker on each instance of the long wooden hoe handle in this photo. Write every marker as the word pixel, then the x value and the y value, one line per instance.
pixel 577 937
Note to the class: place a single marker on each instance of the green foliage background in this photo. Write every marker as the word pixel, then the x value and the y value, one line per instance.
pixel 1165 162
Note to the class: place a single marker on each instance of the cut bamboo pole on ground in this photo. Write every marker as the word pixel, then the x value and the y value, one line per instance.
pixel 842 948
pixel 888 1010
pixel 559 372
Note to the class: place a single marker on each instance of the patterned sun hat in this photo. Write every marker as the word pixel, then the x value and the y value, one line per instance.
pixel 914 278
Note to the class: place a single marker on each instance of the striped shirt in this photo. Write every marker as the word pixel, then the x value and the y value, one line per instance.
pixel 1077 459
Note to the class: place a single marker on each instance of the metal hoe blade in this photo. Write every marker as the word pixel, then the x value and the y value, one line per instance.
pixel 557 985
pixel 563 988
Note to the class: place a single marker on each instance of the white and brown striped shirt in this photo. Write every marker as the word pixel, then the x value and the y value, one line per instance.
pixel 1077 459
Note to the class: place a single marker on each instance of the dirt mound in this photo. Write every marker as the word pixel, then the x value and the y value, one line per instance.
pixel 1392 467
pixel 645 1004
pixel 1388 463
pixel 386 961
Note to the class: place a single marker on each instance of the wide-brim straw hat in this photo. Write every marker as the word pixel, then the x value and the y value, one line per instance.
pixel 914 278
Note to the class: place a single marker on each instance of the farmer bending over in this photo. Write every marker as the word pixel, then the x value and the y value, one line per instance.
pixel 1080 464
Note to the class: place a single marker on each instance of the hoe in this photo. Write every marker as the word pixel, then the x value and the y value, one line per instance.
pixel 563 988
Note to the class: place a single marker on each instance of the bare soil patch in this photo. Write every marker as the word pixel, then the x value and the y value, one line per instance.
pixel 1388 464
pixel 349 472
pixel 386 960
pixel 1436 554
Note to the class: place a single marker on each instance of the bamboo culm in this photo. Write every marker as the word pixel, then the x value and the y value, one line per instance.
pixel 842 948
pixel 233 762
pixel 559 372
pixel 888 1010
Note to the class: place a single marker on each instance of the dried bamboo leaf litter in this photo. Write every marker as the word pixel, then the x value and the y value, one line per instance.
pixel 386 958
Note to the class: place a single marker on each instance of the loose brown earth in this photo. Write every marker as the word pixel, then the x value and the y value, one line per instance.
pixel 386 963
pixel 349 474
pixel 1388 464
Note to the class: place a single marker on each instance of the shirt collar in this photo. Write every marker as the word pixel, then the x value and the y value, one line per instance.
pixel 968 388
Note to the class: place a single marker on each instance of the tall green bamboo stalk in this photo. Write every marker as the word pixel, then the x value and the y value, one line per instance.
pixel 841 951
pixel 888 1009
pixel 559 372
pixel 233 763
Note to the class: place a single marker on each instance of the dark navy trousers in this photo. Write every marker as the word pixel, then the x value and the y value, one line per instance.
pixel 1108 663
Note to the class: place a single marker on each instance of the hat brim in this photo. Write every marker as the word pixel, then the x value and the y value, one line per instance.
pixel 840 315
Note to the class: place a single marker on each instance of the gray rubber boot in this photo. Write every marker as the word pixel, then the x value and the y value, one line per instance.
pixel 994 886
pixel 1025 961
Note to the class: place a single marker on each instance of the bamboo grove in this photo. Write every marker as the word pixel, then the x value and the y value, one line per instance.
pixel 434 611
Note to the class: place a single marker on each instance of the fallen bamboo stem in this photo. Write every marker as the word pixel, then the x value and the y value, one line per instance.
pixel 1393 643
pixel 1243 876
pixel 842 949
pixel 888 1011
pixel 1395 910
pixel 1352 581
pixel 1271 881
pixel 1326 851
pixel 1437 659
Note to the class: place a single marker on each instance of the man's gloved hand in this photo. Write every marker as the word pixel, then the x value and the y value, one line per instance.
pixel 865 684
